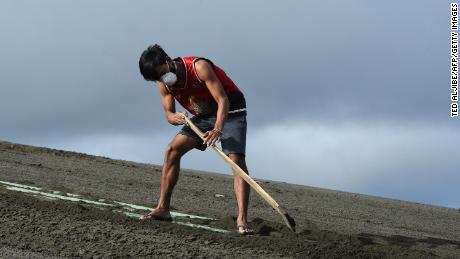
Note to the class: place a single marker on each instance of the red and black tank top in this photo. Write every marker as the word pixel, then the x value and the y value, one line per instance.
pixel 195 96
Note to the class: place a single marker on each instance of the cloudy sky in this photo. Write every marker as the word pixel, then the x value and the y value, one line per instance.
pixel 346 95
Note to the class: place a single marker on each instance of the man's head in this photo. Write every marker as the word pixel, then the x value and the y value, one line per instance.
pixel 154 63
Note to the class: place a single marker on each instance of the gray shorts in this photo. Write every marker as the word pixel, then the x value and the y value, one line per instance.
pixel 233 139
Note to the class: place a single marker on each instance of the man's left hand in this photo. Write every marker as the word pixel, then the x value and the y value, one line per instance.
pixel 212 137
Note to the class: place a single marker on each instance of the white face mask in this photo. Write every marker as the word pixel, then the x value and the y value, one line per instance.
pixel 169 78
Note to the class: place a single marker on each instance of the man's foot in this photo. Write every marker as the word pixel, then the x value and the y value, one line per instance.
pixel 244 229
pixel 157 215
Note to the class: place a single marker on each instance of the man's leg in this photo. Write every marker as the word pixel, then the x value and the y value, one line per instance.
pixel 242 190
pixel 180 145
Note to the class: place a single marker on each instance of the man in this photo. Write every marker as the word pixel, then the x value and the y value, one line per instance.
pixel 204 90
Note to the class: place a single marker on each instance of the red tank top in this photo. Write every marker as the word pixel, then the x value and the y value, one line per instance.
pixel 195 96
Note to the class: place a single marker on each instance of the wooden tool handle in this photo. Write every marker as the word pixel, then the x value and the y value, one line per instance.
pixel 238 170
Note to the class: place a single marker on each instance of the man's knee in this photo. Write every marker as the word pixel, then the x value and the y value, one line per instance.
pixel 239 159
pixel 172 152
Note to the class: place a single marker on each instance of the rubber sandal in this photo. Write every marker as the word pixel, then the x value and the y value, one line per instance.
pixel 151 216
pixel 246 228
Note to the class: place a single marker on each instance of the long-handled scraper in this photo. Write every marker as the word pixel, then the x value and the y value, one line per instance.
pixel 287 219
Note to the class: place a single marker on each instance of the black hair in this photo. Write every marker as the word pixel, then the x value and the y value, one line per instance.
pixel 152 57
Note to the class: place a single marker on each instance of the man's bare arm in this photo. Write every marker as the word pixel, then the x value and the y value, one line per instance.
pixel 206 74
pixel 169 106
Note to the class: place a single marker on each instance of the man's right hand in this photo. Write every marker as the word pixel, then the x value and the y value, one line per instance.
pixel 177 118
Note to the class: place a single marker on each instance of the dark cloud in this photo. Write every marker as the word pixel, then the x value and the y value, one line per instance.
pixel 77 65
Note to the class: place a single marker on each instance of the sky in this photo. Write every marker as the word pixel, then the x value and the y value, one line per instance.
pixel 345 95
